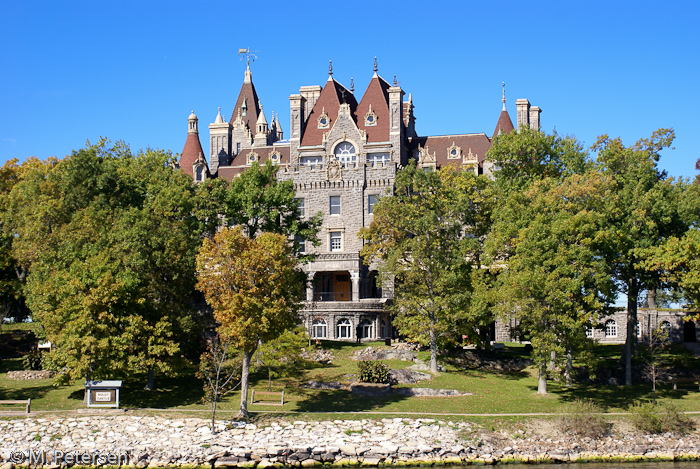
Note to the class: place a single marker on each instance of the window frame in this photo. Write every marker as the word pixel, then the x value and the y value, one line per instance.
pixel 334 209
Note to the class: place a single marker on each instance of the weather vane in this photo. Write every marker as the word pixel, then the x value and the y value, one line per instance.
pixel 248 55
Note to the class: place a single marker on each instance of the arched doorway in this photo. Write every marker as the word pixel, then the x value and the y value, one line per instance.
pixel 689 334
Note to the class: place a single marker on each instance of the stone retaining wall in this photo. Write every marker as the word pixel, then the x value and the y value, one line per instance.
pixel 160 442
pixel 30 374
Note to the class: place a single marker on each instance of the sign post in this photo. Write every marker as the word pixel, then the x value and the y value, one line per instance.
pixel 103 393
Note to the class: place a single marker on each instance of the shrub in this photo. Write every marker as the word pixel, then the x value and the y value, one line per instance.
pixel 32 360
pixel 583 420
pixel 372 371
pixel 666 417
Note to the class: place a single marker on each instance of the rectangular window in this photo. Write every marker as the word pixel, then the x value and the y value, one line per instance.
pixel 377 158
pixel 335 205
pixel 238 148
pixel 300 207
pixel 313 161
pixel 336 241
pixel 302 244
pixel 371 202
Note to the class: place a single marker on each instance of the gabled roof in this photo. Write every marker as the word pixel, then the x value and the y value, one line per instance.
pixel 440 145
pixel 250 97
pixel 191 153
pixel 238 165
pixel 376 95
pixel 332 95
pixel 504 124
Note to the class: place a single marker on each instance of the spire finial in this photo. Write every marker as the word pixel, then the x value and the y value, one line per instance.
pixel 352 85
pixel 375 64
pixel 330 67
pixel 396 83
pixel 504 96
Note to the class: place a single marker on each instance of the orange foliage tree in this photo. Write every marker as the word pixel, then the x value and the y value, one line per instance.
pixel 255 288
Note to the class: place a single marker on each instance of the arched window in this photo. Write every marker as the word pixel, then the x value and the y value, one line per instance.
pixel 365 329
pixel 343 329
pixel 610 329
pixel 345 152
pixel 319 329
pixel 665 327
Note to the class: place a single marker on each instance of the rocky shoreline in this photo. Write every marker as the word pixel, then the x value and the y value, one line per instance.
pixel 189 442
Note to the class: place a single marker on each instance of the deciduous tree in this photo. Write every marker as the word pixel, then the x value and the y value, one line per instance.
pixel 254 286
pixel 426 239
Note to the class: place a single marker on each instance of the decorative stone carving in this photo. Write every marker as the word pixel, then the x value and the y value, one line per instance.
pixel 251 158
pixel 424 155
pixel 454 152
pixel 470 158
pixel 323 120
pixel 335 169
pixel 275 156
pixel 370 117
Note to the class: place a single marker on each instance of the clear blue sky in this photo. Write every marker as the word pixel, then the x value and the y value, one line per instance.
pixel 133 71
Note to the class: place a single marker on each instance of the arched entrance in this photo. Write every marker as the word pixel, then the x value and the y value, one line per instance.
pixel 689 334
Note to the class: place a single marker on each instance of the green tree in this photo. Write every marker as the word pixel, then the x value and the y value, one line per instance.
pixel 259 202
pixel 254 286
pixel 641 212
pixel 282 356
pixel 426 237
pixel 528 155
pixel 546 243
pixel 108 241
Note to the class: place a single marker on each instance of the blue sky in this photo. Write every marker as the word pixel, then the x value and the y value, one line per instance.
pixel 133 71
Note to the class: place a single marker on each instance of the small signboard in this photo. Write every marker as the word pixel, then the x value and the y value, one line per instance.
pixel 103 393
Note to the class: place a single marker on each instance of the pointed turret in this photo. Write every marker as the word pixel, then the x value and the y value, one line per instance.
pixel 247 103
pixel 504 124
pixel 192 160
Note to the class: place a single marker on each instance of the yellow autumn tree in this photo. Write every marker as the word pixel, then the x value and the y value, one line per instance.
pixel 255 288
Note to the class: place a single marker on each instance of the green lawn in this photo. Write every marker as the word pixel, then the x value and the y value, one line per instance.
pixel 492 392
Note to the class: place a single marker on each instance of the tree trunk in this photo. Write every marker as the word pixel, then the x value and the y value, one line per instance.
pixel 433 351
pixel 269 379
pixel 542 380
pixel 567 373
pixel 245 373
pixel 150 383
pixel 552 361
pixel 632 294
pixel 213 411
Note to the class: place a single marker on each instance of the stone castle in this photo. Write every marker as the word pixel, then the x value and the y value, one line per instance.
pixel 342 155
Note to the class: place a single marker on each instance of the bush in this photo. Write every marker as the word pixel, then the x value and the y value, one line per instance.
pixel 372 371
pixel 650 418
pixel 583 420
pixel 32 360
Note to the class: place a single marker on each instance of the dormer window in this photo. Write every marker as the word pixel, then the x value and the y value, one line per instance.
pixel 199 174
pixel 323 120
pixel 244 108
pixel 251 158
pixel 275 157
pixel 454 152
pixel 370 117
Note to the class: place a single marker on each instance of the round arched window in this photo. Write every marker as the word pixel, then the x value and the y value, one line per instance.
pixel 345 152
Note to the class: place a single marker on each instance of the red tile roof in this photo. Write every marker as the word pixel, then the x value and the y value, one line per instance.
pixel 504 124
pixel 191 153
pixel 440 145
pixel 252 103
pixel 376 95
pixel 332 95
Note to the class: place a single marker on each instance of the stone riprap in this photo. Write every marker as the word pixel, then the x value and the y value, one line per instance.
pixel 159 442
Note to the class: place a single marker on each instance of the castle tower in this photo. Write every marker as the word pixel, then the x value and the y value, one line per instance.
pixel 192 160
pixel 219 143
